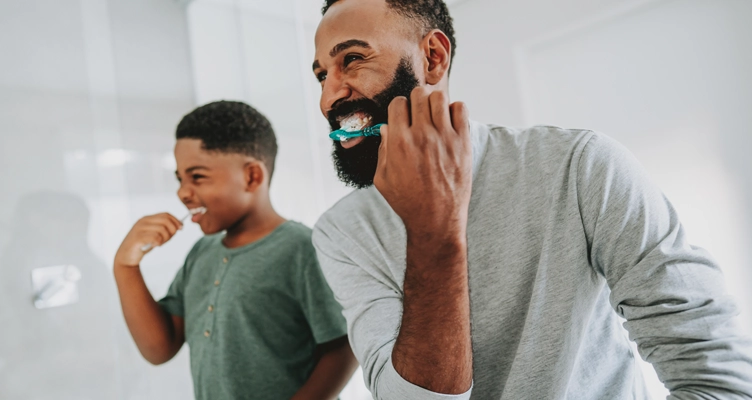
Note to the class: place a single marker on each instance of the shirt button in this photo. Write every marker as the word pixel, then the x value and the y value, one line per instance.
pixel 211 308
pixel 225 260
pixel 216 283
pixel 207 333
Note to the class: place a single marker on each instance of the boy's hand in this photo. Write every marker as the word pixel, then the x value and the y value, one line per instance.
pixel 425 163
pixel 154 229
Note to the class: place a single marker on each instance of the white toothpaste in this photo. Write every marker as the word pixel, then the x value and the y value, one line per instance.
pixel 355 122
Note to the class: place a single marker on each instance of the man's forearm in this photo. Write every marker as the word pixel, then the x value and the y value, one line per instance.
pixel 433 349
pixel 152 329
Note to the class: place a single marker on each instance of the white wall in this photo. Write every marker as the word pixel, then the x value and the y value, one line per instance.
pixel 90 92
pixel 484 72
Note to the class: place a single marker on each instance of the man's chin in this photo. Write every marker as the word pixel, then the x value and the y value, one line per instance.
pixel 356 165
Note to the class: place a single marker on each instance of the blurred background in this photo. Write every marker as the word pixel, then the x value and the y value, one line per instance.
pixel 91 91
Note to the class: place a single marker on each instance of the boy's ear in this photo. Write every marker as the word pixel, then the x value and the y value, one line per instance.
pixel 255 175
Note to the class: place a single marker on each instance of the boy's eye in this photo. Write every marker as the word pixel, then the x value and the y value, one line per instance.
pixel 197 177
pixel 350 58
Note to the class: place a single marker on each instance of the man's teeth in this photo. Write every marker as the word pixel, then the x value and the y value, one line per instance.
pixel 355 122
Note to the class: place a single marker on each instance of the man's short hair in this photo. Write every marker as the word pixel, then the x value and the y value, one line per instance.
pixel 429 14
pixel 231 127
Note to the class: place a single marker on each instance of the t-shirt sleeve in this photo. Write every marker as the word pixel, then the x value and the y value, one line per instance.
pixel 172 302
pixel 671 293
pixel 372 304
pixel 321 310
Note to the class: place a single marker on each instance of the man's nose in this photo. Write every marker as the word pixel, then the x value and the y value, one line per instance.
pixel 335 89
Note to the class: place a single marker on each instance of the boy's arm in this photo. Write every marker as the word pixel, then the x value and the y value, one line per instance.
pixel 158 335
pixel 334 369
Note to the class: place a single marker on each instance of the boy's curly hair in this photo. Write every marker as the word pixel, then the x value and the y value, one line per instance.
pixel 231 127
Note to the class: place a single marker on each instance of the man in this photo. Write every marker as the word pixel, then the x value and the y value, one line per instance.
pixel 485 262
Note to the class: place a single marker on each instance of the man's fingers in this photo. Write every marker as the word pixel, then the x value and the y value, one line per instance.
pixel 383 149
pixel 420 107
pixel 460 118
pixel 398 123
pixel 440 111
pixel 384 133
pixel 398 113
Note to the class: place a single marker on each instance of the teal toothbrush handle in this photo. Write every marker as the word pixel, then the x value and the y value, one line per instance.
pixel 344 135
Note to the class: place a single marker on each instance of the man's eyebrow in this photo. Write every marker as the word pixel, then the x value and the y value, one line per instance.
pixel 342 47
pixel 346 45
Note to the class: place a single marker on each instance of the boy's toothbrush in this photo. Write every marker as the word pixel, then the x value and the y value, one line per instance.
pixel 200 210
pixel 342 134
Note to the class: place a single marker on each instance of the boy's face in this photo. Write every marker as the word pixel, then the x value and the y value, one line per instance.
pixel 215 180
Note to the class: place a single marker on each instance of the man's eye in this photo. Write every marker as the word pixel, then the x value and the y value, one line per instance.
pixel 321 76
pixel 350 58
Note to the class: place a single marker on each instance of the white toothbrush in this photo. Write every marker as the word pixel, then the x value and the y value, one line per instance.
pixel 192 212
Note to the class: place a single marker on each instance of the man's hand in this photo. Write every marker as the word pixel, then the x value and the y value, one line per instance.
pixel 153 230
pixel 425 174
pixel 425 162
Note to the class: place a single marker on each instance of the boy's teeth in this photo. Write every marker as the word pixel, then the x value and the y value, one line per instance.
pixel 199 210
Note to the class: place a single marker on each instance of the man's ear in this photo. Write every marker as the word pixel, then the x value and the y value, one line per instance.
pixel 255 175
pixel 437 50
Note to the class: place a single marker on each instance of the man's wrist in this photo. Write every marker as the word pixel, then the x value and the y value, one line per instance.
pixel 440 243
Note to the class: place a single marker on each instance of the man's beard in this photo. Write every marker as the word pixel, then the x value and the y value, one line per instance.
pixel 356 167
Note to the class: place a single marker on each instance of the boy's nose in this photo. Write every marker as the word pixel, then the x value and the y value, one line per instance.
pixel 185 194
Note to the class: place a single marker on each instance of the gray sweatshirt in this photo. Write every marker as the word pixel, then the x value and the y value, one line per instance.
pixel 568 241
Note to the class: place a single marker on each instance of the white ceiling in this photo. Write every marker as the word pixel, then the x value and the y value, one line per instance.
pixel 310 10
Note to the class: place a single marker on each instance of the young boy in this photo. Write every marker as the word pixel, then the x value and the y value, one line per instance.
pixel 250 301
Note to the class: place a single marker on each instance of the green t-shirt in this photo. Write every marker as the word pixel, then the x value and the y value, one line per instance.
pixel 254 314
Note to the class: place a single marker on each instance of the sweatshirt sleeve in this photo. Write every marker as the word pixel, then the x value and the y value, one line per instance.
pixel 671 293
pixel 372 305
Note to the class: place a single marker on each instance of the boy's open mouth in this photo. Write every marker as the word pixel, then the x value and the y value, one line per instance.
pixel 197 213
